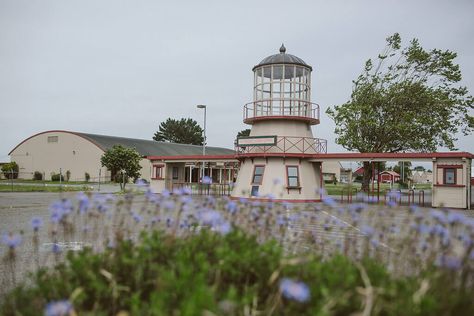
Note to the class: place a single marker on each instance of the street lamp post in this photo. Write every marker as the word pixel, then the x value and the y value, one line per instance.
pixel 202 106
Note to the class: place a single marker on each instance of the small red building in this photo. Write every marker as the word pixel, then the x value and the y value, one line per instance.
pixel 388 177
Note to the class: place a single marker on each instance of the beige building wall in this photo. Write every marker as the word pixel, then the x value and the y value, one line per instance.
pixel 334 167
pixel 146 169
pixel 275 179
pixel 456 195
pixel 63 150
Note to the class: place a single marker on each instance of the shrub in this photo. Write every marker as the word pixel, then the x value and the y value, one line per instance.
pixel 227 275
pixel 87 176
pixel 8 168
pixel 38 176
pixel 68 175
pixel 57 177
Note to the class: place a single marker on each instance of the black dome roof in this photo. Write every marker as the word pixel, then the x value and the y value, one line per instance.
pixel 282 58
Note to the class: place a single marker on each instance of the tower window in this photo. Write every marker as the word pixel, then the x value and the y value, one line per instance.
pixel 292 174
pixel 258 174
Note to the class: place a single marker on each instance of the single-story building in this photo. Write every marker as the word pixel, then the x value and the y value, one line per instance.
pixel 424 176
pixel 163 164
pixel 388 176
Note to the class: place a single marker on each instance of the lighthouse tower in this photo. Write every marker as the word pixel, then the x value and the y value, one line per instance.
pixel 277 159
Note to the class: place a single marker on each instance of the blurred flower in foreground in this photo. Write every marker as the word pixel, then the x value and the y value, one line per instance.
pixel 58 308
pixel 11 240
pixel 36 223
pixel 206 180
pixel 293 290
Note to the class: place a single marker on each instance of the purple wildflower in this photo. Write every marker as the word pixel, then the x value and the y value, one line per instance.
pixel 10 240
pixel 456 218
pixel 374 242
pixel 329 201
pixel 56 248
pixel 136 217
pixel 165 193
pixel 367 230
pixel 231 207
pixel 58 308
pixel 83 202
pixel 281 221
pixel 168 205
pixel 141 183
pixel 210 217
pixel 450 262
pixel 206 180
pixel 438 215
pixel 36 223
pixel 293 290
pixel 223 228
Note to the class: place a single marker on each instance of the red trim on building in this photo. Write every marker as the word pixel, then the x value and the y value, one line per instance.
pixel 192 157
pixel 368 156
pixel 450 185
pixel 449 166
pixel 310 120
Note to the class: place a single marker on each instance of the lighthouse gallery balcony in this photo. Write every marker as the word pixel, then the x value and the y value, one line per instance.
pixel 281 109
pixel 284 146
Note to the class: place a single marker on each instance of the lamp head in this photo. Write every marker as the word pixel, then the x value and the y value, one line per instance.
pixel 201 106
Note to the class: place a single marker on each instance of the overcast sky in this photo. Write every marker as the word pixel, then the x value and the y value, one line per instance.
pixel 121 67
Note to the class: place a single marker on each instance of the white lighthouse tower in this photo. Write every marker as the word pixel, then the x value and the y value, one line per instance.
pixel 276 160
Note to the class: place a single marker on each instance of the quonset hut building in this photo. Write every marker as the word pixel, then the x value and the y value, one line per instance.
pixel 163 164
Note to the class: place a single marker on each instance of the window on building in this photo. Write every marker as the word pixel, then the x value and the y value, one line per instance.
pixel 53 139
pixel 449 176
pixel 175 173
pixel 258 174
pixel 157 172
pixel 293 176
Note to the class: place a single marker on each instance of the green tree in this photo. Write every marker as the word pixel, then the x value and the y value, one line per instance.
pixel 123 162
pixel 184 131
pixel 409 99
pixel 244 132
pixel 419 168
pixel 10 170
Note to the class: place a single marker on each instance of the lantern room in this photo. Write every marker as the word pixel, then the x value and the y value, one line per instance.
pixel 282 89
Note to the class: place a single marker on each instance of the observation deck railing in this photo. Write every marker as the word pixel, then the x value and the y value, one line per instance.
pixel 281 109
pixel 286 145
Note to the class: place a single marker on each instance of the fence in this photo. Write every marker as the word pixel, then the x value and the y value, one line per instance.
pixel 219 189
pixel 9 180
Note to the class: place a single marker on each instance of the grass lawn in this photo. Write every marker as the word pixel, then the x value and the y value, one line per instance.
pixel 336 189
pixel 40 188
pixel 41 182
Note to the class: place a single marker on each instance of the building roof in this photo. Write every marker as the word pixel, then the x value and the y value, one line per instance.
pixel 144 147
pixel 154 148
pixel 393 173
pixel 282 58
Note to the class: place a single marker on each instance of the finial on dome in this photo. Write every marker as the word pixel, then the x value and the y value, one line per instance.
pixel 282 49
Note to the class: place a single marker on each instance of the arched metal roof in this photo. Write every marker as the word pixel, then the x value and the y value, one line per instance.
pixel 282 58
pixel 144 147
